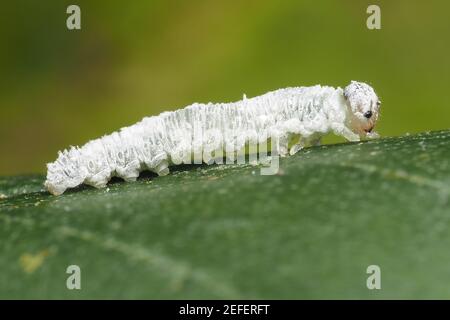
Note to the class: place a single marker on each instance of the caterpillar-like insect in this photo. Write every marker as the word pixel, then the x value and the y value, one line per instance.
pixel 199 130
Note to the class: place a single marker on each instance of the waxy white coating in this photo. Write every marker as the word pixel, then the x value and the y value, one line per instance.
pixel 199 129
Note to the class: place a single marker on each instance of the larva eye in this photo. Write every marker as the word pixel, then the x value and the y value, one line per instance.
pixel 368 114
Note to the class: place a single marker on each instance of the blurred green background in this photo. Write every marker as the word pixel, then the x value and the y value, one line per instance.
pixel 137 58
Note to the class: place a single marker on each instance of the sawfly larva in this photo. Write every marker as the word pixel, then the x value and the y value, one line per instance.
pixel 197 131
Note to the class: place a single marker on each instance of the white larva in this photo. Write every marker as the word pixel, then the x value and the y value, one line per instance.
pixel 198 130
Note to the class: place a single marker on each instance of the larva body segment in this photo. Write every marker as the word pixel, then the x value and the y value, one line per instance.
pixel 201 131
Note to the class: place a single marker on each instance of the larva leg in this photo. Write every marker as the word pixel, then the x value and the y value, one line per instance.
pixel 130 172
pixel 303 142
pixel 373 135
pixel 341 130
pixel 281 145
pixel 99 180
pixel 208 157
pixel 162 169
pixel 295 148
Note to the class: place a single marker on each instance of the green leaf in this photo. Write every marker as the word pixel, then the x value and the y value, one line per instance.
pixel 228 232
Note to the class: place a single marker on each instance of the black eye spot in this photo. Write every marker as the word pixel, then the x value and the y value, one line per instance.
pixel 368 114
pixel 378 103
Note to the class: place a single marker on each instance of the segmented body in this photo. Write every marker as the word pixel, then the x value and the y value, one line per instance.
pixel 199 130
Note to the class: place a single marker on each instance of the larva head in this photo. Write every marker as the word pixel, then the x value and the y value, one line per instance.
pixel 64 173
pixel 365 107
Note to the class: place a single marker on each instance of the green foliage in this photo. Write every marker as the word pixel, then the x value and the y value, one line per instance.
pixel 228 232
pixel 60 88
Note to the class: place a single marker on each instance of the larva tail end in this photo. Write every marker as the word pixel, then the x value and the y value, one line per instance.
pixel 54 189
pixel 64 173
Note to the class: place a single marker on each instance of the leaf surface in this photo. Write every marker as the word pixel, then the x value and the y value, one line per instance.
pixel 310 231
